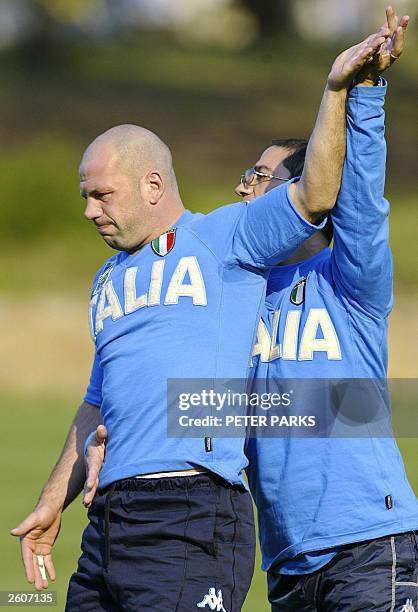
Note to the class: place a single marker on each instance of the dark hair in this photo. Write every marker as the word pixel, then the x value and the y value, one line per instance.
pixel 297 152
pixel 294 163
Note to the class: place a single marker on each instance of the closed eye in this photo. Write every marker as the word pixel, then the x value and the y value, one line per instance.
pixel 103 196
pixel 263 169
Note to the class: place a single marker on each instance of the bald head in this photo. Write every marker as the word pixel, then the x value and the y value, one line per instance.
pixel 128 182
pixel 136 151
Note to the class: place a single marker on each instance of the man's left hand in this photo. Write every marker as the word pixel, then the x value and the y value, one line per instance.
pixel 389 52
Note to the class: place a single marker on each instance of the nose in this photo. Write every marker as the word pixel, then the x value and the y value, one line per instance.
pixel 93 209
pixel 243 192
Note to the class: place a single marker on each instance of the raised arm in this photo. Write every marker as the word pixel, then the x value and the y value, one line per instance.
pixel 317 190
pixel 361 258
pixel 271 227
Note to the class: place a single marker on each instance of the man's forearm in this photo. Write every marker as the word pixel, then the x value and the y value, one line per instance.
pixel 317 190
pixel 68 476
pixel 321 178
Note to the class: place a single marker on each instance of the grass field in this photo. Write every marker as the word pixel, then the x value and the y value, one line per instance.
pixel 218 110
pixel 32 434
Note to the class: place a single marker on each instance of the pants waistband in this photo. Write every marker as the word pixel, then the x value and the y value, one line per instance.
pixel 176 474
pixel 166 484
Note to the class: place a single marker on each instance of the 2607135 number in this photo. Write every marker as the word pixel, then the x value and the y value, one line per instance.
pixel 28 598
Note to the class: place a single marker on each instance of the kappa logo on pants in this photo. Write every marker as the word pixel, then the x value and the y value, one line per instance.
pixel 408 606
pixel 213 600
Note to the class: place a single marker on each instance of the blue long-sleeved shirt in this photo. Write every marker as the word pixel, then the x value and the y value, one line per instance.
pixel 185 306
pixel 316 494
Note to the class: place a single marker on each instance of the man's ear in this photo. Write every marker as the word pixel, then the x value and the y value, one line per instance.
pixel 154 186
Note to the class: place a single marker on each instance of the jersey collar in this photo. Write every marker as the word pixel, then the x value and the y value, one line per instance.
pixel 185 218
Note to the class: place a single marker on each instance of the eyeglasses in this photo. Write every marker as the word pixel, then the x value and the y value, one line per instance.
pixel 252 177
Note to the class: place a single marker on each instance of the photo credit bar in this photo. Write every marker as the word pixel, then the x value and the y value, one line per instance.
pixel 325 408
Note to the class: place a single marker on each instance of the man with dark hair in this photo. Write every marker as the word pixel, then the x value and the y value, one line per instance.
pixel 297 149
pixel 294 162
pixel 337 516
pixel 283 160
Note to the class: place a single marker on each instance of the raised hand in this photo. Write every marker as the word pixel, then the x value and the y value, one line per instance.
pixel 350 62
pixel 38 533
pixel 389 51
pixel 95 453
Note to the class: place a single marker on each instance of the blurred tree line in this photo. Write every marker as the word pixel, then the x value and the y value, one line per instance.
pixel 37 47
pixel 52 23
pixel 272 16
pixel 216 106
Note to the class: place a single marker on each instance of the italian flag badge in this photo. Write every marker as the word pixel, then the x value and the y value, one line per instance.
pixel 297 295
pixel 164 243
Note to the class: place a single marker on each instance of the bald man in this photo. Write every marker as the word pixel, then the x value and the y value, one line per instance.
pixel 171 527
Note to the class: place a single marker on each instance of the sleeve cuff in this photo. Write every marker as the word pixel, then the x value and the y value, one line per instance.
pixel 369 91
pixel 93 398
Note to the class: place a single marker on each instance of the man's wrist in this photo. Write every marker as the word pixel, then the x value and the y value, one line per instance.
pixel 340 92
pixel 366 83
pixel 378 82
pixel 43 501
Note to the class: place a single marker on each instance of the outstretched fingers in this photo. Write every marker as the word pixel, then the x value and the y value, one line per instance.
pixel 91 484
pixel 404 21
pixel 94 462
pixel 38 562
pixel 392 20
pixel 50 567
pixel 368 48
pixel 92 478
pixel 398 40
pixel 27 558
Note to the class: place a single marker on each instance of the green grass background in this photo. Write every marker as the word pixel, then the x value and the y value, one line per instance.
pixel 33 431
pixel 218 110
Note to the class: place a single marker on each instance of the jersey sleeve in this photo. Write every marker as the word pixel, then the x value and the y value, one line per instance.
pixel 361 260
pixel 259 233
pixel 94 390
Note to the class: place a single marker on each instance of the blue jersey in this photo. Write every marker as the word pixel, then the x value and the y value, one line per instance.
pixel 185 306
pixel 316 494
